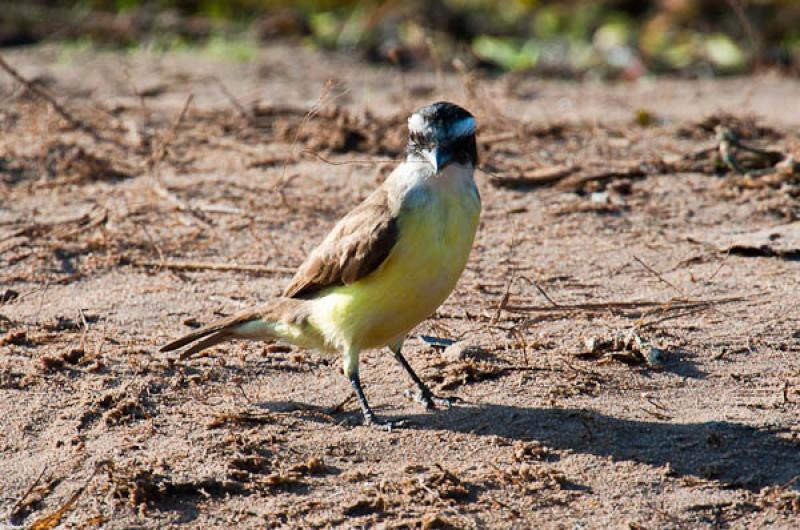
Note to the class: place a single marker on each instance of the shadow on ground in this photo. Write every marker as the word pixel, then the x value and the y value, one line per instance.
pixel 737 455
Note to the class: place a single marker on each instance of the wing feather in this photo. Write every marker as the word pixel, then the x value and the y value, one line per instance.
pixel 356 246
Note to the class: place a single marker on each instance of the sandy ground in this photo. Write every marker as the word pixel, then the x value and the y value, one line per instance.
pixel 96 227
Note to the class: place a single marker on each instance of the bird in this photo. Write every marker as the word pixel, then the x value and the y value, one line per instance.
pixel 386 266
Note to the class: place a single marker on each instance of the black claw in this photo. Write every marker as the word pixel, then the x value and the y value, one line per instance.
pixel 445 402
pixel 430 400
pixel 384 425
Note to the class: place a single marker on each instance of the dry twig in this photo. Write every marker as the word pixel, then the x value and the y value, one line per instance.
pixel 321 103
pixel 51 521
pixel 248 116
pixel 15 510
pixel 34 89
pixel 533 178
pixel 348 162
pixel 658 275
pixel 636 170
pixel 541 291
pixel 623 305
pixel 212 266
pixel 160 149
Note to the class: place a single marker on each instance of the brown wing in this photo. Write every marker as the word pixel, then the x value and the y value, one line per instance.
pixel 356 246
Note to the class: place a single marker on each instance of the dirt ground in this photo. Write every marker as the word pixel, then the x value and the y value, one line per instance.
pixel 607 211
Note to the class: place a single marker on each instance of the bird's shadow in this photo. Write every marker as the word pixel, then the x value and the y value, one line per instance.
pixel 737 455
pixel 734 454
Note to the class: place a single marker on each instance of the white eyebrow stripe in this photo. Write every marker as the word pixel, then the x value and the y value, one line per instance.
pixel 416 123
pixel 463 127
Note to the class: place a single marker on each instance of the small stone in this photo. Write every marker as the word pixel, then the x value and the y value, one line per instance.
pixel 598 344
pixel 462 350
pixel 654 357
pixel 8 295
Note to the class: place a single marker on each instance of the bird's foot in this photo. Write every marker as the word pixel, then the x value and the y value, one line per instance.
pixel 430 400
pixel 384 425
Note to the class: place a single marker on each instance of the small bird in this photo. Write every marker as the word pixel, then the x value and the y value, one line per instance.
pixel 384 267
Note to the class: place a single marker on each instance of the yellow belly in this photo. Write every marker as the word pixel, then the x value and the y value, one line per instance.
pixel 434 243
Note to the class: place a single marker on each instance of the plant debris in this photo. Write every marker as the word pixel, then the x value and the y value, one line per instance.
pixel 16 337
pixel 627 347
pixel 461 351
pixel 336 130
pixel 782 241
pixel 8 295
pixel 530 478
pixel 147 488
pixel 73 164
pixel 240 418
pixel 455 374
pixel 364 507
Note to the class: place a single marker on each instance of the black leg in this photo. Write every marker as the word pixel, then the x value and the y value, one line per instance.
pixel 369 416
pixel 424 396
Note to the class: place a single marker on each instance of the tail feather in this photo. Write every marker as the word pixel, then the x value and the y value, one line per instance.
pixel 215 327
pixel 213 340
pixel 186 339
pixel 226 328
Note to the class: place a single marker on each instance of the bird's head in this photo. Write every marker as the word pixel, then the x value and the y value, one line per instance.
pixel 442 133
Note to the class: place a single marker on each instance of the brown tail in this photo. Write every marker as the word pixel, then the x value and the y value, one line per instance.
pixel 225 329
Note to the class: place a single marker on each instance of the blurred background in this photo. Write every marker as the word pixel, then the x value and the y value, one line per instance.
pixel 611 39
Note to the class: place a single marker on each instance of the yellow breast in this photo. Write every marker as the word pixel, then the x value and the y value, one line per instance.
pixel 434 242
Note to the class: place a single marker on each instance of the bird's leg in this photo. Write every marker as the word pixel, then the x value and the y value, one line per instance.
pixel 424 395
pixel 351 371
